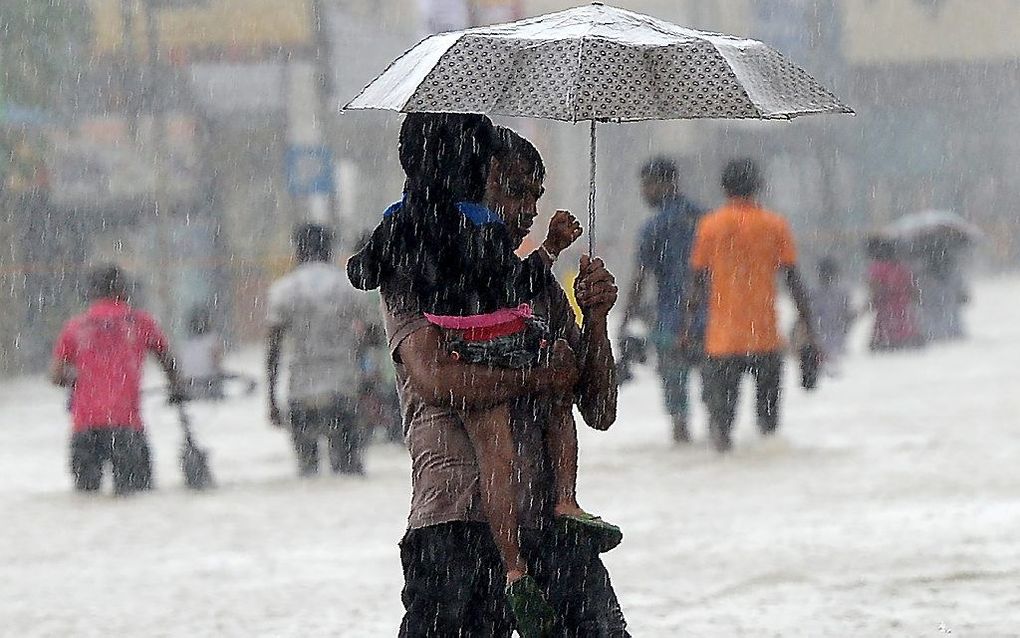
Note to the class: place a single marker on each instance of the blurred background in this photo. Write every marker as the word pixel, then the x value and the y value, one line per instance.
pixel 185 138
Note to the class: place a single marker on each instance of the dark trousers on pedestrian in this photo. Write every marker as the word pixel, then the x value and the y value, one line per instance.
pixel 125 449
pixel 674 372
pixel 722 377
pixel 334 421
pixel 454 584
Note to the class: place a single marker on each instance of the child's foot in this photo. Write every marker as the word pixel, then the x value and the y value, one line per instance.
pixel 535 618
pixel 606 535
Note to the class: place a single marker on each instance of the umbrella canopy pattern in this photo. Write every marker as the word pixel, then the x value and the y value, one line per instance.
pixel 597 63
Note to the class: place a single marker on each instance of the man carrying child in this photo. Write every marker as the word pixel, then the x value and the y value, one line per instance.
pixel 454 579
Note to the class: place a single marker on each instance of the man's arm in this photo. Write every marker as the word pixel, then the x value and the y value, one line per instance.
pixel 444 381
pixel 166 360
pixel 648 253
pixel 634 295
pixel 697 284
pixel 274 342
pixel 596 292
pixel 61 373
pixel 801 300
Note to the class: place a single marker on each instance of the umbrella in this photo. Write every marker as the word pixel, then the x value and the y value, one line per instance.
pixel 934 224
pixel 600 64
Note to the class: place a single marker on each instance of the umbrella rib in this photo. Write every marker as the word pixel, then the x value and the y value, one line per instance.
pixel 578 73
pixel 757 108
pixel 384 71
pixel 572 94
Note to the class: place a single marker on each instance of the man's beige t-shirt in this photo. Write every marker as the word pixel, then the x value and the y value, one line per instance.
pixel 444 471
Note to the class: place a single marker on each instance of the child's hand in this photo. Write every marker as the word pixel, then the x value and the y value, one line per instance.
pixel 564 229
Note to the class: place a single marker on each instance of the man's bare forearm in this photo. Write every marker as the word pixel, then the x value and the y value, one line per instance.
pixel 169 364
pixel 61 374
pixel 801 299
pixel 273 347
pixel 634 295
pixel 597 390
pixel 443 381
pixel 697 284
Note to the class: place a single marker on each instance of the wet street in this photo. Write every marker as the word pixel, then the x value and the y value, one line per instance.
pixel 887 507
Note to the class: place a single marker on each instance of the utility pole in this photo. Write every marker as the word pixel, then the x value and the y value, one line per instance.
pixel 323 57
pixel 308 91
pixel 156 205
pixel 161 201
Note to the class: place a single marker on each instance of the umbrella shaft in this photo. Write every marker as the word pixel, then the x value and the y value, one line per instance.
pixel 591 195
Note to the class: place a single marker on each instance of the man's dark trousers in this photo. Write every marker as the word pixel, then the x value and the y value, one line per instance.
pixel 336 421
pixel 454 584
pixel 722 377
pixel 127 451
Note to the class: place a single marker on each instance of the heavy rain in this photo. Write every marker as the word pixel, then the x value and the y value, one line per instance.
pixel 444 318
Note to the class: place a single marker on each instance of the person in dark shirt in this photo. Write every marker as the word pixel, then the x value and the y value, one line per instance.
pixel 664 249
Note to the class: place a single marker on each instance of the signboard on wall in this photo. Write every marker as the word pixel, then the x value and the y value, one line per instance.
pixel 309 170
pixel 97 165
pixel 205 29
pixel 899 32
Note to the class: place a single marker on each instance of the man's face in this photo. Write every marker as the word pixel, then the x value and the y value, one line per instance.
pixel 656 190
pixel 512 193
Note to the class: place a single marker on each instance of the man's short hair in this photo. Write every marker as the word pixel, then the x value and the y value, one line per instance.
pixel 313 242
pixel 107 282
pixel 660 169
pixel 741 178
pixel 512 146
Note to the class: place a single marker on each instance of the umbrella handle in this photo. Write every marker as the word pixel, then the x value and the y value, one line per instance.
pixel 591 195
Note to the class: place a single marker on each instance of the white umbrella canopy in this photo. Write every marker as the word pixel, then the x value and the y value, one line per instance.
pixel 933 222
pixel 601 64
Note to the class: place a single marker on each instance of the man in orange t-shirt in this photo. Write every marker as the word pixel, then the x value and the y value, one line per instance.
pixel 738 251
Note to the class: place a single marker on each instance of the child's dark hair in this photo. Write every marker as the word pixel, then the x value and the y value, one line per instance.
pixel 446 158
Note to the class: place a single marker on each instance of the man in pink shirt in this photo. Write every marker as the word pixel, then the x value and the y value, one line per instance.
pixel 100 354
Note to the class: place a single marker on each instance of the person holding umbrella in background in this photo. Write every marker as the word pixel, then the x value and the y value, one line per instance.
pixel 935 243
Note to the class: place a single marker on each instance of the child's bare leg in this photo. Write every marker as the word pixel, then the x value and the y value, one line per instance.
pixel 490 434
pixel 561 443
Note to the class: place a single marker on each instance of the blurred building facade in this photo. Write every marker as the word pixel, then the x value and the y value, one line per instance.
pixel 933 81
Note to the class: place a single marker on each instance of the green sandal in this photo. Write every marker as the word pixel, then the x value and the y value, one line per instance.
pixel 606 535
pixel 535 618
